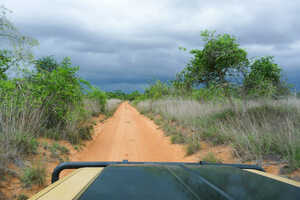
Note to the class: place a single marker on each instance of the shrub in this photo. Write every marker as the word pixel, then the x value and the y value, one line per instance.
pixel 209 94
pixel 210 157
pixel 157 90
pixel 85 132
pixel 35 175
pixel 22 197
pixel 177 139
pixel 99 97
pixel 192 148
pixel 59 90
pixel 57 147
pixel 25 143
pixel 264 78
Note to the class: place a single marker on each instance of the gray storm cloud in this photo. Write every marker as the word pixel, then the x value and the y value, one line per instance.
pixel 127 44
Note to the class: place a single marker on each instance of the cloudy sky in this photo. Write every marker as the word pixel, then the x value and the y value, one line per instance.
pixel 126 44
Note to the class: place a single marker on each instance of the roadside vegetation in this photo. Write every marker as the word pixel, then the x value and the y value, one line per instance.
pixel 223 97
pixel 40 98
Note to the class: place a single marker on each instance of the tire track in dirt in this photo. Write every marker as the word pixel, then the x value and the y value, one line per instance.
pixel 128 135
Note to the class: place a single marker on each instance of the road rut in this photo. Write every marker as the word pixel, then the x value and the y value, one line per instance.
pixel 128 135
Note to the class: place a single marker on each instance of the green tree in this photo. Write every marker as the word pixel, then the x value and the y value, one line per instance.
pixel 60 90
pixel 185 80
pixel 133 95
pixel 5 60
pixel 99 96
pixel 46 64
pixel 19 46
pixel 220 60
pixel 264 78
pixel 157 90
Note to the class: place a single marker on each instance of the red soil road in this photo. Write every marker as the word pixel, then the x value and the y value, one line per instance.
pixel 128 135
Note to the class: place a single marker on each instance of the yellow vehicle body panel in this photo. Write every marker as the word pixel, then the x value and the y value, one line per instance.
pixel 69 187
pixel 278 178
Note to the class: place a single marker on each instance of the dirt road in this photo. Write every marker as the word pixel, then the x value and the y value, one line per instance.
pixel 128 135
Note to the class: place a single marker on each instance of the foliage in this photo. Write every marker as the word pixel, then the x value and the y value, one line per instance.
pixel 46 64
pixel 59 91
pixel 56 146
pixel 218 62
pixel 192 148
pixel 35 175
pixel 213 93
pixel 222 63
pixel 5 61
pixel 177 139
pixel 20 45
pixel 99 96
pixel 133 95
pixel 25 143
pixel 157 90
pixel 48 101
pixel 211 158
pixel 264 78
pixel 22 197
pixel 117 94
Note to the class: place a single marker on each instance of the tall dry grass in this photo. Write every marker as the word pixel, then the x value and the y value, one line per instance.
pixel 180 109
pixel 260 129
pixel 21 120
pixel 112 105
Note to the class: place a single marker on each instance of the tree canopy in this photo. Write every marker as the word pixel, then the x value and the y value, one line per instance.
pixel 18 46
pixel 224 63
pixel 220 58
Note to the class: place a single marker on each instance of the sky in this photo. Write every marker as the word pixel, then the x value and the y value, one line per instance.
pixel 127 44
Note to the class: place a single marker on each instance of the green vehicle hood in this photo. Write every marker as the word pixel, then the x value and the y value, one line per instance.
pixel 185 182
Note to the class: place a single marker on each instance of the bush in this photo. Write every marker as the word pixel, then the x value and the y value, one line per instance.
pixel 210 157
pixel 265 79
pixel 35 175
pixel 192 148
pixel 22 197
pixel 85 132
pixel 209 94
pixel 177 139
pixel 157 90
pixel 25 143
pixel 47 101
pixel 59 90
pixel 57 147
pixel 99 97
